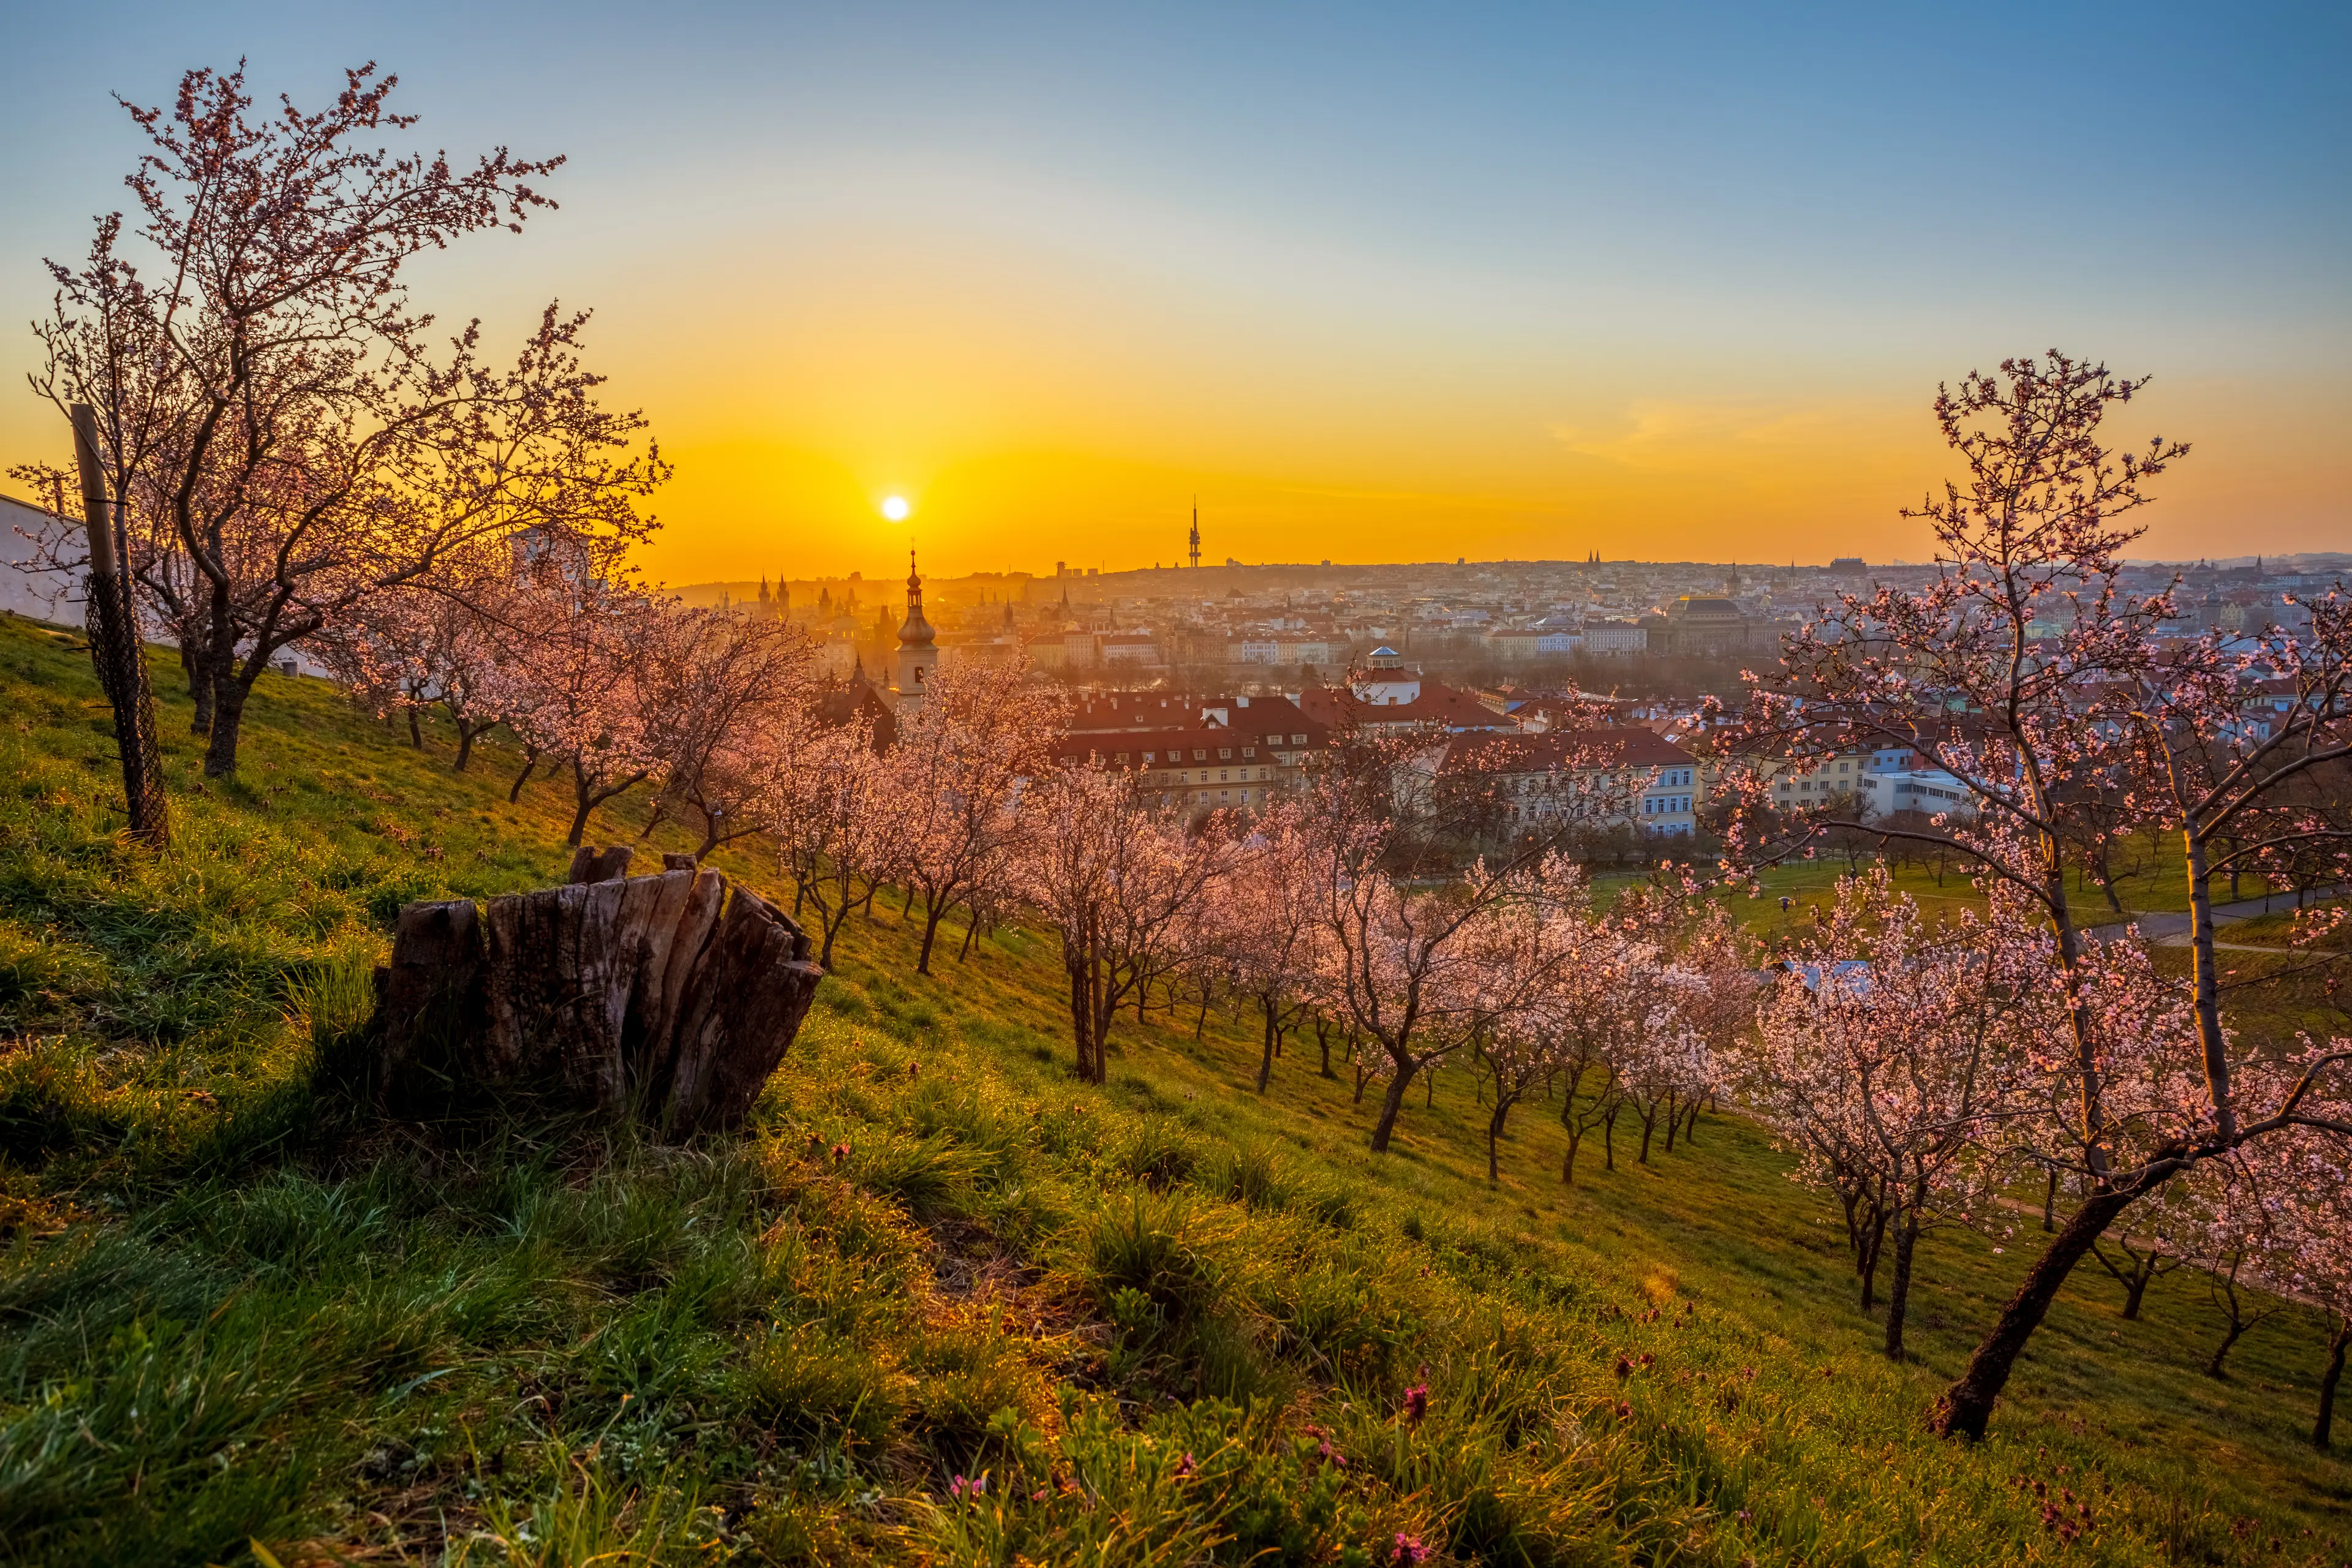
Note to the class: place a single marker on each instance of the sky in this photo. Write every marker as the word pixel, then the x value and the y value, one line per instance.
pixel 1364 282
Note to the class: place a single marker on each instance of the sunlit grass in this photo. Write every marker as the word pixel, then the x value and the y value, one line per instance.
pixel 1154 1316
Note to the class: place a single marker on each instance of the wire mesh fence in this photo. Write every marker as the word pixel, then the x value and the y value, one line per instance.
pixel 116 648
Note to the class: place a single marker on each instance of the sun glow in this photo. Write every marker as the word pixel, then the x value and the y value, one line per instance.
pixel 894 508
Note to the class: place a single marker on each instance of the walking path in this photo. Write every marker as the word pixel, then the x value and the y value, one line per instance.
pixel 2169 928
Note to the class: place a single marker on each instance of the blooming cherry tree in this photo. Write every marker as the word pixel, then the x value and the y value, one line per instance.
pixel 958 765
pixel 1889 1053
pixel 1120 878
pixel 2026 671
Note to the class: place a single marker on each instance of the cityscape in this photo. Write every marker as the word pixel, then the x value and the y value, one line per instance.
pixel 1188 787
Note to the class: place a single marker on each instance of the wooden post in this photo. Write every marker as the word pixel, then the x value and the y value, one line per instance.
pixel 116 647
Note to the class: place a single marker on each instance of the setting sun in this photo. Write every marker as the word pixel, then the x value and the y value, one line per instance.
pixel 894 508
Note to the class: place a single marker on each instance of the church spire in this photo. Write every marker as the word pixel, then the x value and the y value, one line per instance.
pixel 1194 539
pixel 917 656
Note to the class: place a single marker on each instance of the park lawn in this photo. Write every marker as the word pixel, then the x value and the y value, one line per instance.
pixel 2154 887
pixel 232 1305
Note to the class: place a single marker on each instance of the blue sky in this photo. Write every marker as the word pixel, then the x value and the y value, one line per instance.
pixel 1533 277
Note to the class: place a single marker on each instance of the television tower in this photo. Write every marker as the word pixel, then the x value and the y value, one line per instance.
pixel 1195 540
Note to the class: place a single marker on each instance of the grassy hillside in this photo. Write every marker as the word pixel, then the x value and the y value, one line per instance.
pixel 1168 1321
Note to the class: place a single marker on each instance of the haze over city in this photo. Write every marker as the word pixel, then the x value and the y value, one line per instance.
pixel 1367 283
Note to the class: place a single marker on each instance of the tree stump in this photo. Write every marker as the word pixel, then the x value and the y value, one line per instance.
pixel 668 997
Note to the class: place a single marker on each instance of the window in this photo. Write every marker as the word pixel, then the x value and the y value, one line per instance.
pixel 1199 756
pixel 1249 752
pixel 1120 757
pixel 1225 754
pixel 1222 775
pixel 1298 740
pixel 1147 759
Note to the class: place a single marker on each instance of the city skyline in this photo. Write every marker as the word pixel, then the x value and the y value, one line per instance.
pixel 1380 286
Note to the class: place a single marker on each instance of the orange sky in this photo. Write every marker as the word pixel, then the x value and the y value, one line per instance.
pixel 1378 283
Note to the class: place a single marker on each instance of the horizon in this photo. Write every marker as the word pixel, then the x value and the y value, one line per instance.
pixel 1534 285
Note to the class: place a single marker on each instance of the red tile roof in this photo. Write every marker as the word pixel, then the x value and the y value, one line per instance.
pixel 1569 749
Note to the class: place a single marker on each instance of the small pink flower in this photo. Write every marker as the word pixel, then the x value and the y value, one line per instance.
pixel 840 1153
pixel 1416 1405
pixel 1185 1466
pixel 968 1491
pixel 1409 1551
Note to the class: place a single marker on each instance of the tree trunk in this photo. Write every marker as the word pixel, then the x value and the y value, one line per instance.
pixel 667 998
pixel 933 913
pixel 1649 1125
pixel 1082 1013
pixel 1391 1104
pixel 196 663
pixel 2323 1427
pixel 2050 1203
pixel 1898 1293
pixel 1266 1060
pixel 415 730
pixel 2107 876
pixel 529 765
pixel 1873 1244
pixel 1609 1138
pixel 229 693
pixel 1323 1040
pixel 1966 1407
pixel 583 804
pixel 2134 1290
pixel 2237 1329
pixel 1360 1080
pixel 1494 1136
pixel 1673 1121
pixel 2207 986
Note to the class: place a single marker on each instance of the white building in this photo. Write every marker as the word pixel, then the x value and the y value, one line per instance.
pixel 1130 648
pixel 1931 791
pixel 1387 684
pixel 1615 637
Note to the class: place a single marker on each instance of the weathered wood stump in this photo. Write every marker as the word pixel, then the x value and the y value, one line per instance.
pixel 669 997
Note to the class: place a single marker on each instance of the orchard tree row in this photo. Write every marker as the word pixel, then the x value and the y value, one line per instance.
pixel 296 457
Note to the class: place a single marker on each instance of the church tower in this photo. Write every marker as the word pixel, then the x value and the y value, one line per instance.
pixel 917 658
pixel 1195 539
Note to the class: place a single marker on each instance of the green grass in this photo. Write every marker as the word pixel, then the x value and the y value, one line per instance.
pixel 1154 1315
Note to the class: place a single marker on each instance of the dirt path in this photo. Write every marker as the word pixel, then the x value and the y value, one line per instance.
pixel 2169 928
